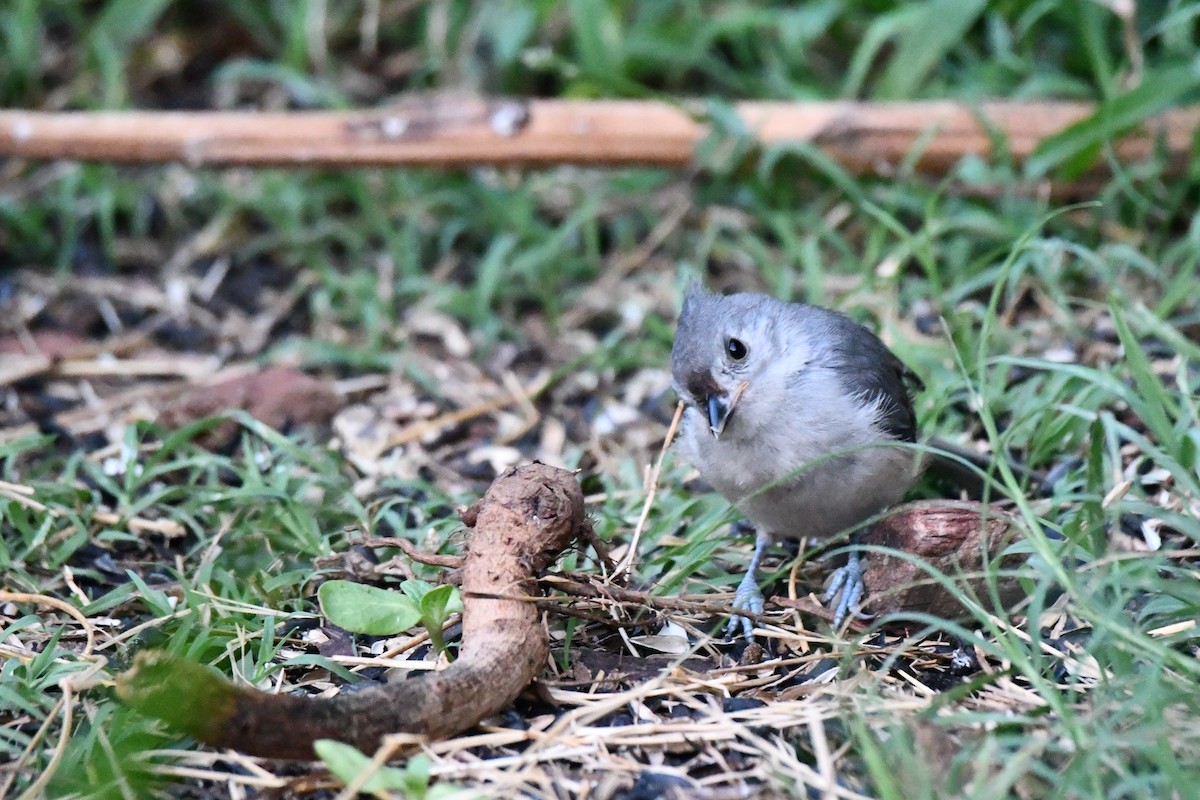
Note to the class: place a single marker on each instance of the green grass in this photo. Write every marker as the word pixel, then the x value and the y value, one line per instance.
pixel 1012 274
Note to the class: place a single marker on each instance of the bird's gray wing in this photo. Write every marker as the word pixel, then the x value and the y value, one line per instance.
pixel 871 370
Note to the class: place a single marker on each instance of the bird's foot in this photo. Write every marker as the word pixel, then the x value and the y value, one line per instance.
pixel 847 588
pixel 748 598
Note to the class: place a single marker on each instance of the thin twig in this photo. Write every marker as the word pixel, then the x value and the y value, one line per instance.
pixel 61 605
pixel 631 552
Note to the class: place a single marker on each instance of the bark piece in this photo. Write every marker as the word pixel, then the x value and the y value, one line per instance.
pixel 527 517
pixel 276 396
pixel 950 536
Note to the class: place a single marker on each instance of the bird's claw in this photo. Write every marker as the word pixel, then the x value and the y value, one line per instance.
pixel 748 598
pixel 848 588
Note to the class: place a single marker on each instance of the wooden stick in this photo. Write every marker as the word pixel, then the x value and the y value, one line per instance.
pixel 450 131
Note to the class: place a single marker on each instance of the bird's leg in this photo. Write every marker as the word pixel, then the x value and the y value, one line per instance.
pixel 748 595
pixel 847 586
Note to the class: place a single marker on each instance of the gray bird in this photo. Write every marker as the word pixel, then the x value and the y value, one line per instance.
pixel 798 416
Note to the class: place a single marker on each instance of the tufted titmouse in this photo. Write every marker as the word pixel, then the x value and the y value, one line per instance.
pixel 799 416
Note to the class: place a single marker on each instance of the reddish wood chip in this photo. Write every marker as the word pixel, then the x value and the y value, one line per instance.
pixel 277 396
pixel 51 344
pixel 950 536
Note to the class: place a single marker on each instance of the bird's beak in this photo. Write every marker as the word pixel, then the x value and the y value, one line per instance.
pixel 720 410
pixel 718 415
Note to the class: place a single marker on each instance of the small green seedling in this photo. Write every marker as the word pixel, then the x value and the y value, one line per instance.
pixel 412 782
pixel 436 603
pixel 381 612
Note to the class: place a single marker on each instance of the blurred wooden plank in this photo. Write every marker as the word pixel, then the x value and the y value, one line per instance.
pixel 456 132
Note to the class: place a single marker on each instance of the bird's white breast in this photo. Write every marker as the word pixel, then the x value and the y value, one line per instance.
pixel 822 468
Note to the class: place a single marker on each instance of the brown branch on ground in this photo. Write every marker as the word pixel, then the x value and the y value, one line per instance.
pixel 526 518
pixel 460 131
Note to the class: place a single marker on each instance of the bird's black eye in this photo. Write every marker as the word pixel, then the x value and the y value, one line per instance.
pixel 736 349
